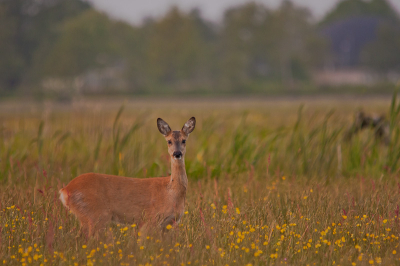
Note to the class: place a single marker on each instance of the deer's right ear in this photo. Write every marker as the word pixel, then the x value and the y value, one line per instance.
pixel 163 127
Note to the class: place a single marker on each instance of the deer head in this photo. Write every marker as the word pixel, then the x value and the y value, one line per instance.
pixel 176 139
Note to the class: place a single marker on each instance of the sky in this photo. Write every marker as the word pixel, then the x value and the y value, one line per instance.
pixel 134 11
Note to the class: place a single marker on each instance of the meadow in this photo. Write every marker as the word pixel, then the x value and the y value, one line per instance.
pixel 271 181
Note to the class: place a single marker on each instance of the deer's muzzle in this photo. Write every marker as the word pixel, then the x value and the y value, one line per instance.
pixel 177 154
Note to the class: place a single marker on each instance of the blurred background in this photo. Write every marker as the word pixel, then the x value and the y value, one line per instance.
pixel 66 49
pixel 297 126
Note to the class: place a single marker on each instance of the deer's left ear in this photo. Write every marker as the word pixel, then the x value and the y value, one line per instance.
pixel 188 127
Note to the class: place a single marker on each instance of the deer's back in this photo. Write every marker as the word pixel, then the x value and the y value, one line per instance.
pixel 125 199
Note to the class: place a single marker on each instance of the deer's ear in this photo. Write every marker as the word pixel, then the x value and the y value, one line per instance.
pixel 188 127
pixel 163 127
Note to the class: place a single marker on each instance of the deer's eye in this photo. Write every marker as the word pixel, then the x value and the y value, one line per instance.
pixel 169 142
pixel 184 141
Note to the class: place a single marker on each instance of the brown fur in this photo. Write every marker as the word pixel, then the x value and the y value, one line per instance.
pixel 97 199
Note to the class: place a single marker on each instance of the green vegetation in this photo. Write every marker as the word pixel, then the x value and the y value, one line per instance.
pixel 269 182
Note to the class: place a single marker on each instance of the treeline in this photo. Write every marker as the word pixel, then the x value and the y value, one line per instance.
pixel 66 45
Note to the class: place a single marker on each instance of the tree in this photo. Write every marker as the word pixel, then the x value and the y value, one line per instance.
pixel 353 8
pixel 369 30
pixel 243 42
pixel 177 51
pixel 295 48
pixel 130 47
pixel 12 61
pixel 85 43
pixel 24 27
pixel 258 43
pixel 383 54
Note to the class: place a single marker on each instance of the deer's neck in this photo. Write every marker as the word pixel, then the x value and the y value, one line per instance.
pixel 178 173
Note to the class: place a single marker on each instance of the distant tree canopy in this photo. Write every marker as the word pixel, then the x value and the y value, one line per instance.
pixel 26 28
pixel 364 33
pixel 352 8
pixel 66 39
pixel 383 54
pixel 177 49
pixel 259 43
pixel 85 42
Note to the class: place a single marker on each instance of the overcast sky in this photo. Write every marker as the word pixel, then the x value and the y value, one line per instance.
pixel 134 11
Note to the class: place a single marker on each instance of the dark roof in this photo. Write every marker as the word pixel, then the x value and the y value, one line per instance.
pixel 348 37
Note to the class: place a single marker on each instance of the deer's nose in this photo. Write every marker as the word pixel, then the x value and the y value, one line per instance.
pixel 177 154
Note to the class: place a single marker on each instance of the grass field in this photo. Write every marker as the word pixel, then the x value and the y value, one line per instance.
pixel 270 182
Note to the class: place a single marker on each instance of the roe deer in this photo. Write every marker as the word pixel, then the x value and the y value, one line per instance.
pixel 379 124
pixel 97 199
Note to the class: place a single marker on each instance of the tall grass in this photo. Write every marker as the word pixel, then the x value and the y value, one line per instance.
pixel 267 185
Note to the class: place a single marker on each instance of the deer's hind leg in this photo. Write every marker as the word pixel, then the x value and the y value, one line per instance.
pixel 84 226
pixel 98 223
